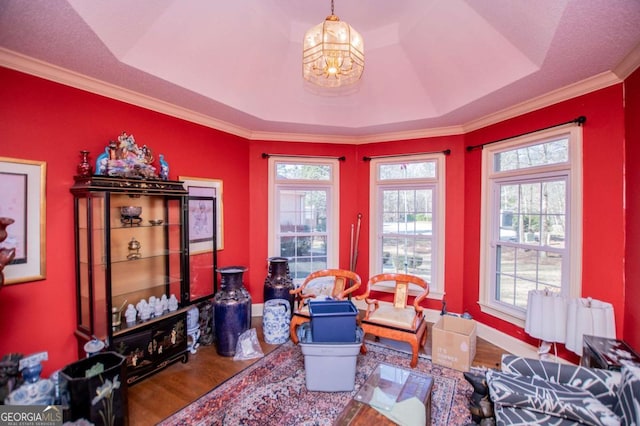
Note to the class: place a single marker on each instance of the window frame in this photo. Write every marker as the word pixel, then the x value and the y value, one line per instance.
pixel 438 185
pixel 332 186
pixel 571 170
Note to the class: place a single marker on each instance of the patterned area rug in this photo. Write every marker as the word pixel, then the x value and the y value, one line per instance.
pixel 272 391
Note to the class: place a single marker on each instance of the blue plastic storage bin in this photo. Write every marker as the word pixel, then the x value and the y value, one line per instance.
pixel 333 321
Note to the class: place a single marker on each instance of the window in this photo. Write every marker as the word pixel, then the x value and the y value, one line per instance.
pixel 303 214
pixel 531 220
pixel 407 218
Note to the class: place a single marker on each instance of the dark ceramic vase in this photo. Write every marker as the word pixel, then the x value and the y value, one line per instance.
pixel 278 282
pixel 231 310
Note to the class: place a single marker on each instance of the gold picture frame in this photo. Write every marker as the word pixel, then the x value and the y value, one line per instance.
pixel 197 186
pixel 23 199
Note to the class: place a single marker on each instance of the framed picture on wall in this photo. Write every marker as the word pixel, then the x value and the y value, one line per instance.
pixel 22 198
pixel 199 235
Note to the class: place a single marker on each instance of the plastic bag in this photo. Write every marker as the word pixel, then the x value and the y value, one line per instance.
pixel 248 346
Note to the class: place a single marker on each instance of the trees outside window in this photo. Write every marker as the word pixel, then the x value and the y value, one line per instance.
pixel 407 218
pixel 531 220
pixel 303 214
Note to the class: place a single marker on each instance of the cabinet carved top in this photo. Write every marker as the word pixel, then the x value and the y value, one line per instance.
pixel 120 184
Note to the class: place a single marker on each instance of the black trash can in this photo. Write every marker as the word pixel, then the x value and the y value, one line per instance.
pixel 95 389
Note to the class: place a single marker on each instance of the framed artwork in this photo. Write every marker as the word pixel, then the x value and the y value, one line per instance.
pixel 199 234
pixel 22 198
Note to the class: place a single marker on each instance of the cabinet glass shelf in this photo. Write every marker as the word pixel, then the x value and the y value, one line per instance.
pixel 141 259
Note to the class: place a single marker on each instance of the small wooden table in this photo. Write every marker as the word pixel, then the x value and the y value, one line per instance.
pixel 396 382
pixel 609 354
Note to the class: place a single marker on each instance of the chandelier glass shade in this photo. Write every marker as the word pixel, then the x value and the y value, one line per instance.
pixel 333 54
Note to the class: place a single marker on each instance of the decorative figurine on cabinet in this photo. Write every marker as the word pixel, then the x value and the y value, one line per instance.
pixel 164 168
pixel 102 162
pixel 134 249
pixel 130 314
pixel 125 159
pixel 173 303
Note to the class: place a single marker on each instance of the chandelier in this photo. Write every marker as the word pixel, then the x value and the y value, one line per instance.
pixel 333 54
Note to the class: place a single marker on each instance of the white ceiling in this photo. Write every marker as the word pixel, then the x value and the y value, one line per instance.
pixel 236 65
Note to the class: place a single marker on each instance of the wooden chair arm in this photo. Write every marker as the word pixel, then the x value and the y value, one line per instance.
pixel 344 293
pixel 372 305
pixel 300 297
pixel 418 308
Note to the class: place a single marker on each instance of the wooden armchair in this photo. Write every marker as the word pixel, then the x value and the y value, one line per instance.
pixel 337 284
pixel 395 320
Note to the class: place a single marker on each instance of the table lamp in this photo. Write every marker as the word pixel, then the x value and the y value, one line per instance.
pixel 546 319
pixel 591 317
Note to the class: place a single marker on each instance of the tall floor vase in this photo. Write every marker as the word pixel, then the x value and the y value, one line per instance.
pixel 278 281
pixel 232 310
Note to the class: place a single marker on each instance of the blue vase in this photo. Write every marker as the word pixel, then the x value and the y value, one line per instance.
pixel 278 282
pixel 231 310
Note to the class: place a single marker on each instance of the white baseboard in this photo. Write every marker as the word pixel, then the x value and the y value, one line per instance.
pixel 257 309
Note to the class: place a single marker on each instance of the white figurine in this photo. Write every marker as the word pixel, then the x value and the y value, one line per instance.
pixel 130 314
pixel 157 310
pixel 144 310
pixel 164 302
pixel 145 314
pixel 173 303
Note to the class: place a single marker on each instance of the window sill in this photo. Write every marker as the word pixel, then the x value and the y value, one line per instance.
pixel 501 314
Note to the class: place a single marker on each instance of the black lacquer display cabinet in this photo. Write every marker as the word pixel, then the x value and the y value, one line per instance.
pixel 132 250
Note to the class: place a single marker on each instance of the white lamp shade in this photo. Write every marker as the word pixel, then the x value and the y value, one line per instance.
pixel 546 316
pixel 590 317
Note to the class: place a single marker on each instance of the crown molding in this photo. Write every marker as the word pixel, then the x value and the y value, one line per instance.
pixel 358 140
pixel 583 87
pixel 47 71
pixel 629 64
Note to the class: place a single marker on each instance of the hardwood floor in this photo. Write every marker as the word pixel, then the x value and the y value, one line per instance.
pixel 159 396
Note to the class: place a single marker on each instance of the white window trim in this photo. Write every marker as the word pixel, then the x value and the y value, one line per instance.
pixel 574 197
pixel 437 286
pixel 333 225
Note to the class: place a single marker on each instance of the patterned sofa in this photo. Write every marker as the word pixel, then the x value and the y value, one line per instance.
pixel 529 391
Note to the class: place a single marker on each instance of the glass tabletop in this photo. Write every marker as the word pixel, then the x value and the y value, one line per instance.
pixel 389 384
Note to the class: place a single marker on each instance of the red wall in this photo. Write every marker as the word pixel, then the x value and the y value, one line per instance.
pixel 632 171
pixel 603 187
pixel 41 120
pixel 45 121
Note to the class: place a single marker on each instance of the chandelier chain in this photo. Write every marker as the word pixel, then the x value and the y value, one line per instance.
pixel 332 7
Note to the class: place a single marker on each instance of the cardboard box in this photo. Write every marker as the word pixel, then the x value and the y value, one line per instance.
pixel 454 342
